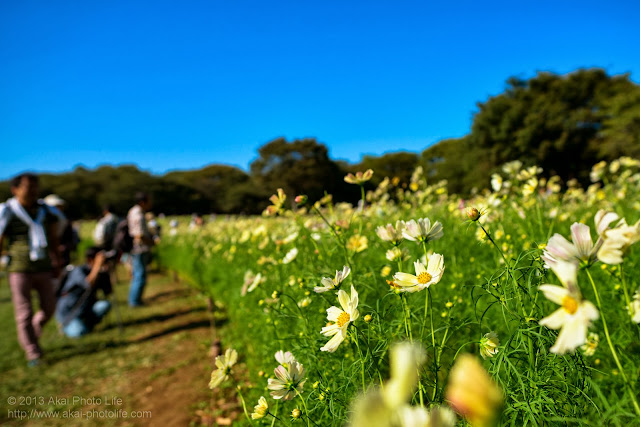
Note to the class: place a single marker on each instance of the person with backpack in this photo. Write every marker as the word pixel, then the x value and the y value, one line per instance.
pixel 67 235
pixel 79 310
pixel 30 229
pixel 141 250
pixel 105 230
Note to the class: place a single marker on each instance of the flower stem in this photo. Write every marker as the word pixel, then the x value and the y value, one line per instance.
pixel 612 348
pixel 304 404
pixel 355 338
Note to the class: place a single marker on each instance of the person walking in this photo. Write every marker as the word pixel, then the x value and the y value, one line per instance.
pixel 142 243
pixel 34 259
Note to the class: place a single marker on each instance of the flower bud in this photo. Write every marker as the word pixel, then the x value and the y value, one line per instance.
pixel 296 413
pixel 367 318
pixel 301 199
pixel 473 214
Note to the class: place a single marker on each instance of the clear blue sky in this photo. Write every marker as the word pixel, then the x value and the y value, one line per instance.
pixel 177 85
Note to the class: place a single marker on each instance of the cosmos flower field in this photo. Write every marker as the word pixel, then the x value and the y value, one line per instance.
pixel 517 306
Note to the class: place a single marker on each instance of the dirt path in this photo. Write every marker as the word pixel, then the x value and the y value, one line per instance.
pixel 178 378
pixel 157 364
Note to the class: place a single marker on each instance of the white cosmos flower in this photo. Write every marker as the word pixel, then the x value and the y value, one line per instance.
pixel 340 319
pixel 634 309
pixel 224 364
pixel 329 284
pixel 251 282
pixel 581 248
pixel 617 241
pixel 424 277
pixel 285 358
pixel 574 316
pixel 422 230
pixel 290 256
pixel 417 416
pixel 288 383
pixel 496 182
pixel 392 234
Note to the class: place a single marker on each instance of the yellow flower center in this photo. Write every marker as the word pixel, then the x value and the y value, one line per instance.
pixel 424 278
pixel 343 319
pixel 570 304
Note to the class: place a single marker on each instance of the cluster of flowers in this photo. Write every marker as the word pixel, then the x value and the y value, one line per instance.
pixel 564 258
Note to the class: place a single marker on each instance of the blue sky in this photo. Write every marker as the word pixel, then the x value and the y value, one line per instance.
pixel 178 85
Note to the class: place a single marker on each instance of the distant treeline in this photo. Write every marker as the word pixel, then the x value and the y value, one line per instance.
pixel 565 124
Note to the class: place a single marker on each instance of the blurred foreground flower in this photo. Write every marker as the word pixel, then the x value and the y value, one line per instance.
pixel 472 393
pixel 634 310
pixel 388 406
pixel 340 318
pixel 224 363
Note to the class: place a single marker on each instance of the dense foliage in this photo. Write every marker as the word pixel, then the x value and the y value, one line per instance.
pixel 267 274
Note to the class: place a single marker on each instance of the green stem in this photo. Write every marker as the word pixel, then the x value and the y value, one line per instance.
pixel 355 338
pixel 626 292
pixel 612 348
pixel 433 343
pixel 304 405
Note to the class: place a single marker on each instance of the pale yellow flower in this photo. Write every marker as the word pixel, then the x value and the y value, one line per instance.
pixel 357 243
pixel 340 319
pixel 424 277
pixel 392 234
pixel 359 178
pixel 261 409
pixel 224 363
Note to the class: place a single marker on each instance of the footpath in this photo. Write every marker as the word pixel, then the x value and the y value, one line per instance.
pixel 143 366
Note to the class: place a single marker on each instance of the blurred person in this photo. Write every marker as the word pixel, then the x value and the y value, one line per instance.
pixel 79 310
pixel 67 235
pixel 142 243
pixel 105 229
pixel 30 228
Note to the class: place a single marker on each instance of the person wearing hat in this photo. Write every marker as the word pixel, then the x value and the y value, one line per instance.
pixel 30 228
pixel 67 236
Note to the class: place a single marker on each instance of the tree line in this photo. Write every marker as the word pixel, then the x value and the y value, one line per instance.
pixel 563 123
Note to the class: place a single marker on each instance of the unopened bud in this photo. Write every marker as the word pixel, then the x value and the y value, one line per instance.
pixel 301 199
pixel 473 214
pixel 367 318
pixel 296 413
